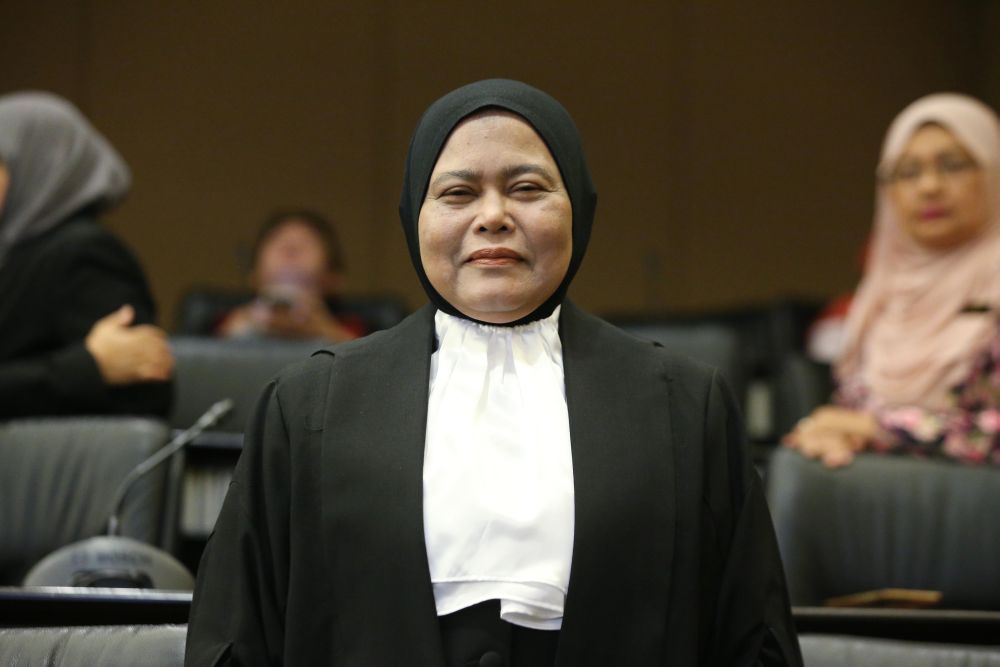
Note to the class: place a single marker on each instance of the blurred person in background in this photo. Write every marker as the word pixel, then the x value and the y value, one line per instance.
pixel 919 371
pixel 76 313
pixel 297 274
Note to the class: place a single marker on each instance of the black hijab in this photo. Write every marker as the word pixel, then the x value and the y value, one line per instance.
pixel 552 123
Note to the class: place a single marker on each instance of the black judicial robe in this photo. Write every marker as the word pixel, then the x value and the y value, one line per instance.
pixel 318 556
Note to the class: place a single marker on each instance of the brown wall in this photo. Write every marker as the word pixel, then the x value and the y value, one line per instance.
pixel 732 143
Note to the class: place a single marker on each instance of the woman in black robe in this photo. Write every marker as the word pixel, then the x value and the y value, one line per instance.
pixel 501 479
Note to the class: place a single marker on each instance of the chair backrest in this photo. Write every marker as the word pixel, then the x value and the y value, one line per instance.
pixel 765 334
pixel 713 344
pixel 202 308
pixel 209 370
pixel 843 651
pixel 58 479
pixel 800 386
pixel 376 311
pixel 886 522
pixel 118 645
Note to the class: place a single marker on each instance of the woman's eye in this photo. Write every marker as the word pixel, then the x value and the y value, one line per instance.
pixel 455 193
pixel 908 172
pixel 527 188
pixel 953 164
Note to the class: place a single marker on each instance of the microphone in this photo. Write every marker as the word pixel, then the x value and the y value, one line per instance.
pixel 115 561
pixel 211 417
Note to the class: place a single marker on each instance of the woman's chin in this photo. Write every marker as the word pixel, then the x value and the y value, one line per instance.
pixel 497 310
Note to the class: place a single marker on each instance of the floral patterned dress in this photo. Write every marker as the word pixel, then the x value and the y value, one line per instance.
pixel 969 431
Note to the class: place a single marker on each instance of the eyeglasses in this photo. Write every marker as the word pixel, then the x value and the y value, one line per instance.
pixel 945 167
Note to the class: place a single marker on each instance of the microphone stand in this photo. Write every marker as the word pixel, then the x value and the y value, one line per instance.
pixel 211 417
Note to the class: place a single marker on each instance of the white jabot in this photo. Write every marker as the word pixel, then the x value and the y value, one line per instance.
pixel 498 470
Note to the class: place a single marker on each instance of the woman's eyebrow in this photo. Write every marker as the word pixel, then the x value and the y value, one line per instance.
pixel 937 155
pixel 460 174
pixel 521 169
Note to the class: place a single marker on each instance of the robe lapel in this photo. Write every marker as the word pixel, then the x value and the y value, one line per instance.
pixel 623 471
pixel 372 459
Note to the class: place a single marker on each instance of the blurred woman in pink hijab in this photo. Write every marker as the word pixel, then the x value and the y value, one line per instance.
pixel 919 371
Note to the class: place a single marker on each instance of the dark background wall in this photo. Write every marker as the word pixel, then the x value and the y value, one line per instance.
pixel 732 143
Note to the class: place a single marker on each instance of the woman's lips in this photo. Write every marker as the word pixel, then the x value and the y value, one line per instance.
pixel 934 213
pixel 494 257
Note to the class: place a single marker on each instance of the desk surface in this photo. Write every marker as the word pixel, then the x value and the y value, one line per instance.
pixel 49 606
pixel 55 606
pixel 928 625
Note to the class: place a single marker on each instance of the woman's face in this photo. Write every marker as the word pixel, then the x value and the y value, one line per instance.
pixel 495 229
pixel 938 190
pixel 292 252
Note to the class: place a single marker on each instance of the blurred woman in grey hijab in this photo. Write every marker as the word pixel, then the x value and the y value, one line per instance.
pixel 76 313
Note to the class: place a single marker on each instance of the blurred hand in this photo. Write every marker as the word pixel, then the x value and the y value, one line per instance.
pixel 127 354
pixel 833 434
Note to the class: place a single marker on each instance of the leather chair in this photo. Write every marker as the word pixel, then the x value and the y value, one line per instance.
pixel 886 522
pixel 202 308
pixel 713 344
pixel 210 369
pixel 118 645
pixel 58 479
pixel 764 335
pixel 800 386
pixel 840 651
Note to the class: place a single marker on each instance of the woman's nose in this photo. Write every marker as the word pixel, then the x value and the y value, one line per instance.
pixel 493 215
pixel 930 180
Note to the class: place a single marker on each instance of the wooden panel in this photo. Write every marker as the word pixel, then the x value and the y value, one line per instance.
pixel 732 143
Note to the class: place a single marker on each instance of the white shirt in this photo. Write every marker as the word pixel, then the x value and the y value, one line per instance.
pixel 498 470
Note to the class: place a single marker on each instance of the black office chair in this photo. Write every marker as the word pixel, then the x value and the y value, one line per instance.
pixel 841 651
pixel 886 522
pixel 58 478
pixel 209 369
pixel 800 386
pixel 117 645
pixel 709 343
pixel 764 335
pixel 202 308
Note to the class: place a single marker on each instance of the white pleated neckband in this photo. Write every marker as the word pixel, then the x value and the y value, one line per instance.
pixel 498 470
